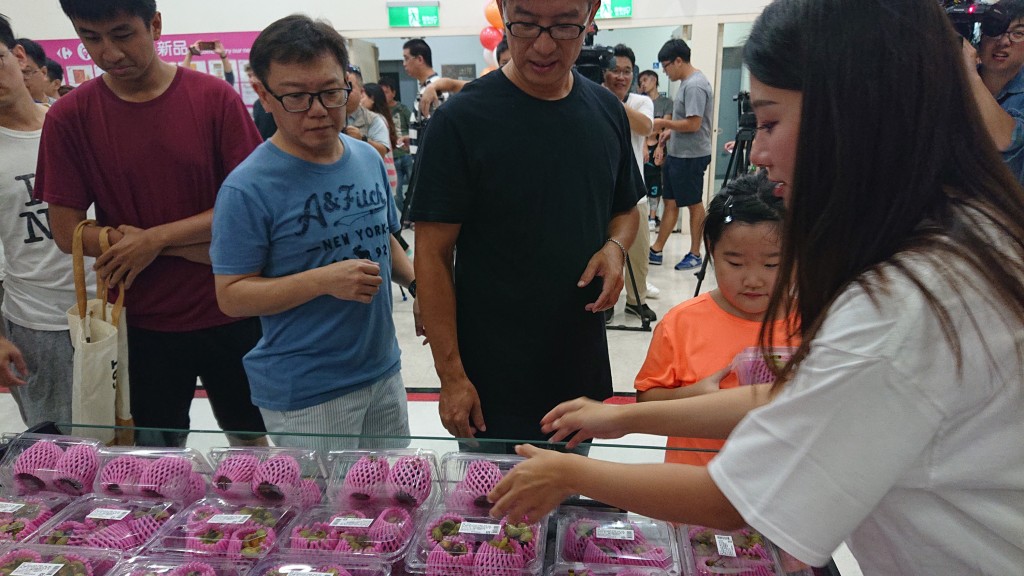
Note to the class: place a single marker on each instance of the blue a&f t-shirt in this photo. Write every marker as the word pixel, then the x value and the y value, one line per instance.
pixel 279 215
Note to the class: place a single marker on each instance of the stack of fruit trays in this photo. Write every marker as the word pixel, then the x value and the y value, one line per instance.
pixel 106 523
pixel 35 463
pixel 214 527
pixel 56 561
pixel 601 539
pixel 268 476
pixel 284 563
pixel 460 538
pixel 177 474
pixel 20 516
pixel 169 565
pixel 743 552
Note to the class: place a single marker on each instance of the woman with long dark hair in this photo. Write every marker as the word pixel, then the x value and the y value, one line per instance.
pixel 898 425
pixel 375 101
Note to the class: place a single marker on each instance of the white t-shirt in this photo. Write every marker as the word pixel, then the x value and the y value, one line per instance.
pixel 643 104
pixel 40 285
pixel 879 441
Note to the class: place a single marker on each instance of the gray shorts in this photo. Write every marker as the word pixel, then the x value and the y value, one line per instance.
pixel 46 395
pixel 380 409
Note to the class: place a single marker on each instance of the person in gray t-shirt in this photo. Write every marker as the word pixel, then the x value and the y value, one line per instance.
pixel 688 150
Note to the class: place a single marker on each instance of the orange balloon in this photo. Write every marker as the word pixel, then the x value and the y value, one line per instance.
pixel 494 16
pixel 487 71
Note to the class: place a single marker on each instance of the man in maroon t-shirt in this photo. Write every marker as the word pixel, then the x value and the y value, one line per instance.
pixel 148 144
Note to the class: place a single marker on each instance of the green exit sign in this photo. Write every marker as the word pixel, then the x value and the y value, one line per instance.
pixel 615 9
pixel 414 16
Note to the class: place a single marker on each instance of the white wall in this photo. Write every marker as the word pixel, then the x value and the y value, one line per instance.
pixel 43 19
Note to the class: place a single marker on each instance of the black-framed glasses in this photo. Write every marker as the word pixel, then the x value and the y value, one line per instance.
pixel 1016 35
pixel 557 32
pixel 302 101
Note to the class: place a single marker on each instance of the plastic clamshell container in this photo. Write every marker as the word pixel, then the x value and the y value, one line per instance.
pixel 35 560
pixel 453 543
pixel 35 463
pixel 383 533
pixel 470 477
pixel 267 476
pixel 601 539
pixel 711 552
pixel 122 524
pixel 283 563
pixel 21 516
pixel 171 565
pixel 383 478
pixel 178 474
pixel 751 367
pixel 215 527
pixel 581 569
pixel 791 566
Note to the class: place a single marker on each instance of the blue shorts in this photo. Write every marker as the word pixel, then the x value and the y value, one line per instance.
pixel 683 179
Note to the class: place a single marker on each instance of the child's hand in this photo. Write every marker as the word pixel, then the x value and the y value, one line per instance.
pixel 710 383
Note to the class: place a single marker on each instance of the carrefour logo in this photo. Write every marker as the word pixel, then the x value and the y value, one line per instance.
pixel 83 53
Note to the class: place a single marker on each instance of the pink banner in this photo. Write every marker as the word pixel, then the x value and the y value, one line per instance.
pixel 79 67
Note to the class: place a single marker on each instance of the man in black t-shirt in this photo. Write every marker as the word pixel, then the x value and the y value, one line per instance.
pixel 525 331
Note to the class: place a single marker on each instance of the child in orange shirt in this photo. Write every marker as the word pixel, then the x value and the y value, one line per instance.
pixel 696 341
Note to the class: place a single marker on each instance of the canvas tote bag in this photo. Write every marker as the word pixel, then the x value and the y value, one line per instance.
pixel 100 392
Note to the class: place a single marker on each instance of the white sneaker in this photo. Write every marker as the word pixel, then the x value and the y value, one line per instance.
pixel 652 291
pixel 650 224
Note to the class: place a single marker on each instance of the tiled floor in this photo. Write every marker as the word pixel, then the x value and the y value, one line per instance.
pixel 627 350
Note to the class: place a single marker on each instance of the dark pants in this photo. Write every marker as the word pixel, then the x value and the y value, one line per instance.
pixel 403 165
pixel 164 366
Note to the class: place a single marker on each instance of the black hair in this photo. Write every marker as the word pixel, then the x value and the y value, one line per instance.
pixel 649 73
pixel 34 51
pixel 100 10
pixel 625 52
pixel 296 38
pixel 54 71
pixel 1013 8
pixel 750 199
pixel 501 49
pixel 674 48
pixel 63 90
pixel 418 47
pixel 390 83
pixel 380 106
pixel 866 200
pixel 6 34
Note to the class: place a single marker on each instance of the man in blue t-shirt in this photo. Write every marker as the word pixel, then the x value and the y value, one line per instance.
pixel 998 86
pixel 302 239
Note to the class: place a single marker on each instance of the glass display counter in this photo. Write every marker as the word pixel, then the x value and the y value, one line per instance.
pixel 606 541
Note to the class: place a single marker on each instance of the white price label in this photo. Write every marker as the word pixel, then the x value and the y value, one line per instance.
pixel 108 514
pixel 229 518
pixel 316 573
pixel 479 528
pixel 725 545
pixel 36 569
pixel 615 533
pixel 351 522
pixel 10 507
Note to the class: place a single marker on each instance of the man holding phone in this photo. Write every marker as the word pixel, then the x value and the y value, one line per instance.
pixel 215 46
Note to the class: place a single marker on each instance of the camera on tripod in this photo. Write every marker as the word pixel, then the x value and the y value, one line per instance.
pixel 744 111
pixel 968 17
pixel 594 60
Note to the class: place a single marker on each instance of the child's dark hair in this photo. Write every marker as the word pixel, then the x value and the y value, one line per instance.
pixel 750 199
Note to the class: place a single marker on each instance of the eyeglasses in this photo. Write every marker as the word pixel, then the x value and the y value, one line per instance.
pixel 1016 35
pixel 30 72
pixel 557 32
pixel 621 72
pixel 302 101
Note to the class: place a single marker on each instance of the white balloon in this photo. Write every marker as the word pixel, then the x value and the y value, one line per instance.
pixel 490 58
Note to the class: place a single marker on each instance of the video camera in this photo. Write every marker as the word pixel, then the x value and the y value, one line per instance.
pixel 594 60
pixel 744 111
pixel 968 17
